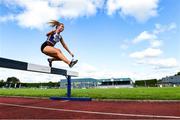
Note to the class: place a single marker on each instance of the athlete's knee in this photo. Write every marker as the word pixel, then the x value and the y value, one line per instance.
pixel 58 50
pixel 58 53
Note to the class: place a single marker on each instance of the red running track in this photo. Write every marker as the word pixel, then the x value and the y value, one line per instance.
pixel 31 108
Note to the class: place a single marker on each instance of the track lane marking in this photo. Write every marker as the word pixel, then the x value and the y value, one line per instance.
pixel 90 112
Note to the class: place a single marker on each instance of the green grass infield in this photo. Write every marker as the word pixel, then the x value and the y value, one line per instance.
pixel 166 93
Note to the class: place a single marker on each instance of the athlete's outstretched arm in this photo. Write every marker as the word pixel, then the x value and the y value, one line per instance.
pixel 65 46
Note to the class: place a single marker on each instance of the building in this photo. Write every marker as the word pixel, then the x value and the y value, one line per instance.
pixel 80 83
pixel 115 83
pixel 170 81
pixel 98 83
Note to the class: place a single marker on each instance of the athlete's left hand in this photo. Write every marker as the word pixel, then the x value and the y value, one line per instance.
pixel 72 54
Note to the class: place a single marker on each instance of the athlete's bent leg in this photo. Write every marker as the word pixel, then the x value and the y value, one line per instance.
pixel 55 53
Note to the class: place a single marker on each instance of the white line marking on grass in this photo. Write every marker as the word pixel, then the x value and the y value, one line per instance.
pixel 90 112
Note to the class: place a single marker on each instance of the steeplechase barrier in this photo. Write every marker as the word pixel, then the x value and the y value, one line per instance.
pixel 19 65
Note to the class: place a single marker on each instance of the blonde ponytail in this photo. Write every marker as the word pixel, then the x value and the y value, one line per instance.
pixel 54 23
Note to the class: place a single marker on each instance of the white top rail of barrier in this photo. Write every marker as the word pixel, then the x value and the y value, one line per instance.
pixel 19 65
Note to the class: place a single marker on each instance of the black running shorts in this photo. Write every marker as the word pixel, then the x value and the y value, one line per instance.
pixel 46 43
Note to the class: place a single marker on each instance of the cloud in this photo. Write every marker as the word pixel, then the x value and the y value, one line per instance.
pixel 77 8
pixel 26 76
pixel 36 13
pixel 164 28
pixel 147 53
pixel 145 35
pixel 7 18
pixel 151 55
pixel 87 67
pixel 156 43
pixel 141 10
pixel 149 37
pixel 152 37
pixel 87 70
pixel 125 44
pixel 160 63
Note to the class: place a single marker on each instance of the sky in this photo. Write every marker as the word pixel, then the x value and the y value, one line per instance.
pixel 138 39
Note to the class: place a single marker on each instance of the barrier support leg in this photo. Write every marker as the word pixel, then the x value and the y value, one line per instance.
pixel 68 97
pixel 68 86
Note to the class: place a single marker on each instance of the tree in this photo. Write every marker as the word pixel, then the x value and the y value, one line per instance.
pixel 12 81
pixel 1 83
pixel 178 73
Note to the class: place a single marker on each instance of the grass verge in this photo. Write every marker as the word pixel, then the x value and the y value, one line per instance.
pixel 167 93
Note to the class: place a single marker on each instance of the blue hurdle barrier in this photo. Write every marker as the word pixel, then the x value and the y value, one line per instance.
pixel 19 65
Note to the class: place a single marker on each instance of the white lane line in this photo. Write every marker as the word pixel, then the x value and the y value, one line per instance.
pixel 65 101
pixel 90 112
